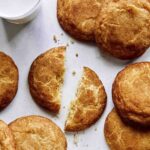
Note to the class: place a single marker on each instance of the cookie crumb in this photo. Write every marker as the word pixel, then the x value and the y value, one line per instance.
pixel 73 73
pixel 75 139
pixel 77 54
pixel 57 116
pixel 67 45
pixel 55 38
pixel 71 41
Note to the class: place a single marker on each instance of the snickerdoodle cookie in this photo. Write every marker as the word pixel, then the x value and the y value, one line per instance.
pixel 89 103
pixel 46 77
pixel 121 136
pixel 6 137
pixel 78 17
pixel 123 28
pixel 37 133
pixel 8 80
pixel 120 27
pixel 131 93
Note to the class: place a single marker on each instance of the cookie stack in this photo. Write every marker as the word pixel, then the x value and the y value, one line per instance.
pixel 128 125
pixel 122 136
pixel 119 27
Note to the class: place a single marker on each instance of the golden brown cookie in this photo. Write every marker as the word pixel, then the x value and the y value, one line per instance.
pixel 8 80
pixel 46 77
pixel 37 133
pixel 121 136
pixel 78 17
pixel 6 137
pixel 89 103
pixel 123 28
pixel 131 93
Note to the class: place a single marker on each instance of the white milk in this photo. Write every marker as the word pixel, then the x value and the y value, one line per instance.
pixel 12 9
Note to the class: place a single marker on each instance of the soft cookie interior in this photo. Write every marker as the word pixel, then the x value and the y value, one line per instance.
pixel 46 77
pixel 89 103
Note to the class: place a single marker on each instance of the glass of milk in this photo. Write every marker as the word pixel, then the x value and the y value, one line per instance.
pixel 19 11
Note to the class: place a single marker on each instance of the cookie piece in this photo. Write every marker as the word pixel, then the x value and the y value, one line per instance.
pixel 46 78
pixel 37 133
pixel 8 80
pixel 6 137
pixel 123 28
pixel 78 17
pixel 89 103
pixel 120 136
pixel 131 93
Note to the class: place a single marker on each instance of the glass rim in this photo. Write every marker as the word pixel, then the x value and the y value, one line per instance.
pixel 29 12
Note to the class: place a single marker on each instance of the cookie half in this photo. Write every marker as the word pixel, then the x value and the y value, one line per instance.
pixel 131 93
pixel 8 80
pixel 6 137
pixel 120 136
pixel 78 17
pixel 123 28
pixel 37 133
pixel 46 78
pixel 89 103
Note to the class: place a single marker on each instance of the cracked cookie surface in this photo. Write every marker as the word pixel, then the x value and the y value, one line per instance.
pixel 6 137
pixel 46 78
pixel 123 28
pixel 131 94
pixel 37 133
pixel 8 80
pixel 78 17
pixel 120 136
pixel 89 103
